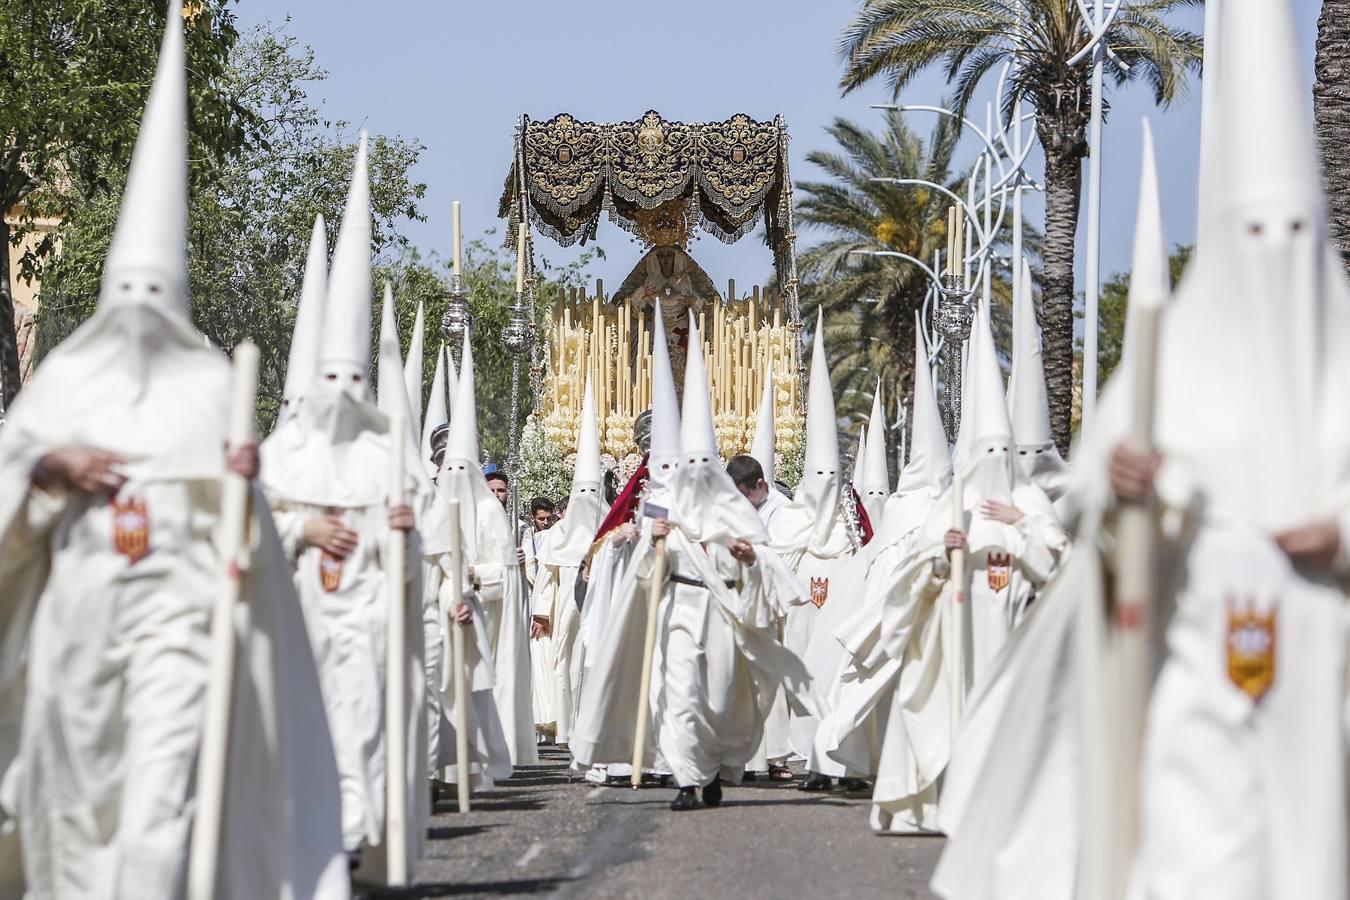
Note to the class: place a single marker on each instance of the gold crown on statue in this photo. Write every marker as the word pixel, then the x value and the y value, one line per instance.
pixel 666 226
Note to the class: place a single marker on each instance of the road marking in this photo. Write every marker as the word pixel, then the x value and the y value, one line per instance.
pixel 530 855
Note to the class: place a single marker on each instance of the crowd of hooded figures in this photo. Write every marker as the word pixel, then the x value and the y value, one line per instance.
pixel 943 644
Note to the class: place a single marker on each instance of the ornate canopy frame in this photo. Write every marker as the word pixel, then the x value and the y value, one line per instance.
pixel 726 177
pixel 567 174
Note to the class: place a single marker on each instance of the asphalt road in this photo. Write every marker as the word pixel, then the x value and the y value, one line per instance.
pixel 544 834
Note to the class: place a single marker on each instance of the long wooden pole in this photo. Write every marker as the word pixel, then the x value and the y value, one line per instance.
pixel 396 674
pixel 1128 664
pixel 463 775
pixel 212 761
pixel 648 654
pixel 958 573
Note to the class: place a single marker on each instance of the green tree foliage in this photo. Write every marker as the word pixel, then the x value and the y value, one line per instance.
pixel 251 215
pixel 1114 309
pixel 896 40
pixel 490 282
pixel 870 301
pixel 74 76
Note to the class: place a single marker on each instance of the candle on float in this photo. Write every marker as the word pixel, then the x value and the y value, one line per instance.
pixel 520 260
pixel 960 238
pixel 455 234
pixel 951 239
pixel 754 305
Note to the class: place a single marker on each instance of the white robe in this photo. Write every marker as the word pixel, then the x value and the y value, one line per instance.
pixel 555 660
pixel 718 663
pixel 347 617
pixel 100 717
pixel 915 629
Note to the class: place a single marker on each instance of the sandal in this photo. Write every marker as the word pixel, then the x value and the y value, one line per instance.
pixel 781 773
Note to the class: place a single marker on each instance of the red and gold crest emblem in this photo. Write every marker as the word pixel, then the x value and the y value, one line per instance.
pixel 1251 647
pixel 998 569
pixel 820 591
pixel 131 528
pixel 330 571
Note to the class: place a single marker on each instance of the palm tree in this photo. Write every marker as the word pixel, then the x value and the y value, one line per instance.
pixel 870 300
pixel 898 39
pixel 1331 102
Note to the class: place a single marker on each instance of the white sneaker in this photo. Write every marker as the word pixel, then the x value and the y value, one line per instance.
pixel 597 774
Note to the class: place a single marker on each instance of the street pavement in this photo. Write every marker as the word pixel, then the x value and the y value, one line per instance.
pixel 545 834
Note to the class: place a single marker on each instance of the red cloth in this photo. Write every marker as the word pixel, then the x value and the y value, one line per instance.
pixel 624 508
pixel 864 523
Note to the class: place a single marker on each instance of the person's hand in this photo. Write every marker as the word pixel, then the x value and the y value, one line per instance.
pixel 463 613
pixel 1132 473
pixel 81 468
pixel 401 518
pixel 627 534
pixel 330 535
pixel 1001 512
pixel 520 556
pixel 955 539
pixel 1313 546
pixel 660 528
pixel 539 627
pixel 742 551
pixel 244 461
pixel 585 573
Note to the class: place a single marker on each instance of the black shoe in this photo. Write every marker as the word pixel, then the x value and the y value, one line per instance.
pixel 686 799
pixel 815 783
pixel 853 785
pixel 712 794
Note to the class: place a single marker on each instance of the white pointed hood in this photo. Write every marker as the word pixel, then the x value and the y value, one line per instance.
pixel 665 446
pixel 989 470
pixel 697 433
pixel 822 436
pixel 147 259
pixel 302 366
pixel 928 472
pixel 412 369
pixel 393 396
pixel 765 443
pixel 346 324
pixel 876 475
pixel 588 470
pixel 451 381
pixel 1037 454
pixel 859 459
pixel 568 542
pixel 813 521
pixel 136 379
pixel 707 506
pixel 462 443
pixel 437 414
pixel 1256 329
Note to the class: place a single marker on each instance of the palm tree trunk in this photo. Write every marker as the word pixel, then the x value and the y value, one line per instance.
pixel 1063 187
pixel 1331 102
pixel 9 342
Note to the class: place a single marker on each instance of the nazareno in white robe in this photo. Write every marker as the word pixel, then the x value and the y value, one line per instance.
pixel 809 535
pixel 332 457
pixel 103 660
pixel 499 582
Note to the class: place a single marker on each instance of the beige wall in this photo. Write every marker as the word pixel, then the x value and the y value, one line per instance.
pixel 25 295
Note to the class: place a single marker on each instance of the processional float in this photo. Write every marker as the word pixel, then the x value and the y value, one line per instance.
pixel 662 181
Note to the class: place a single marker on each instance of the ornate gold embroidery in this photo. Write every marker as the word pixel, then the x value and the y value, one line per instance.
pixel 131 528
pixel 727 173
pixel 1251 647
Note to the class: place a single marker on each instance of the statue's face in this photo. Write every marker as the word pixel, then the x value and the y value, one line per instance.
pixel 642 431
pixel 665 258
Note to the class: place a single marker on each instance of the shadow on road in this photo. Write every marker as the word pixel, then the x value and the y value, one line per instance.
pixel 519 887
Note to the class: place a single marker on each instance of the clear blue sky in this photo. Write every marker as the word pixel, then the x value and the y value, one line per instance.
pixel 455 74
